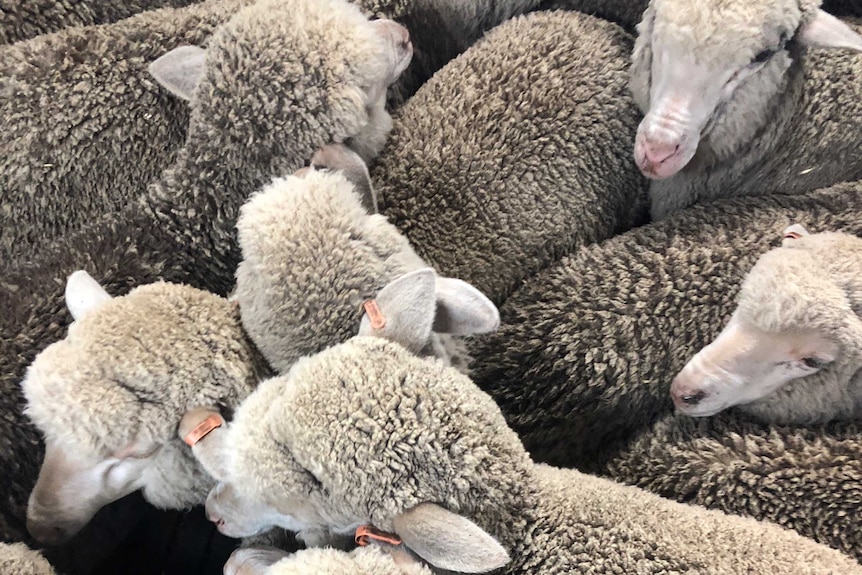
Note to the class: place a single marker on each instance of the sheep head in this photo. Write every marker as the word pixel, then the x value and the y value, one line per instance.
pixel 369 432
pixel 791 350
pixel 108 398
pixel 707 71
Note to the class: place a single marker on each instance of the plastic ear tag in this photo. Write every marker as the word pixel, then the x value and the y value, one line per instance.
pixel 203 428
pixel 792 235
pixel 378 321
pixel 366 534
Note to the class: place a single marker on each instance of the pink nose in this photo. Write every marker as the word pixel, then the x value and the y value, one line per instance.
pixel 684 394
pixel 658 152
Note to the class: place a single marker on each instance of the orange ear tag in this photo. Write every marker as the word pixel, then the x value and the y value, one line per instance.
pixel 203 428
pixel 365 534
pixel 792 236
pixel 374 314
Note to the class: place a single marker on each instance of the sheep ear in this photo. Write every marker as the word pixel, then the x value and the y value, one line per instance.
pixel 83 294
pixel 448 541
pixel 463 310
pixel 403 311
pixel 827 31
pixel 180 70
pixel 342 159
pixel 640 71
pixel 793 232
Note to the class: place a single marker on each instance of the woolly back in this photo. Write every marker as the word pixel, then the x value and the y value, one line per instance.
pixel 365 430
pixel 130 368
pixel 311 256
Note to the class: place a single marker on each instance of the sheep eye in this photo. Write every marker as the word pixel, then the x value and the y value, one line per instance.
pixel 813 362
pixel 763 56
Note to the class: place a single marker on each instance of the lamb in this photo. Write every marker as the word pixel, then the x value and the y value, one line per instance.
pixel 24 20
pixel 313 254
pixel 790 352
pixel 189 215
pixel 541 111
pixel 734 105
pixel 367 437
pixel 808 479
pixel 587 349
pixel 18 559
pixel 86 127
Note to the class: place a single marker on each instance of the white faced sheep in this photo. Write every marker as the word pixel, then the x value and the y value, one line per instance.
pixel 516 152
pixel 735 105
pixel 313 253
pixel 805 478
pixel 18 559
pixel 367 437
pixel 791 351
pixel 244 130
pixel 587 349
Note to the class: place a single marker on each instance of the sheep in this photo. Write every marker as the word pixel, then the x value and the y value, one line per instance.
pixel 808 479
pixel 24 20
pixel 366 436
pixel 371 560
pixel 515 152
pixel 790 351
pixel 313 253
pixel 735 106
pixel 86 127
pixel 587 349
pixel 244 130
pixel 18 559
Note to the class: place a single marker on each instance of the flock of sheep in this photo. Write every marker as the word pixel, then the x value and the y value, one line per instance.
pixel 588 301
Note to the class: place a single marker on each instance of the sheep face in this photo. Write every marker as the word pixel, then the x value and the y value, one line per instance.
pixel 706 73
pixel 108 398
pixel 790 349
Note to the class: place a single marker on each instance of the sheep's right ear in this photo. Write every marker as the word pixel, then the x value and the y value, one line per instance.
pixel 180 70
pixel 403 311
pixel 83 294
pixel 449 541
pixel 792 233
pixel 463 310
pixel 205 431
pixel 826 31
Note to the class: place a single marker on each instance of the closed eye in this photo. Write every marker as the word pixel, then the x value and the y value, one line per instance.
pixel 763 56
pixel 814 362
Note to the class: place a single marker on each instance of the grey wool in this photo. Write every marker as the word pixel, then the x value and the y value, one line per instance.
pixel 18 559
pixel 757 98
pixel 23 20
pixel 587 349
pixel 367 433
pixel 805 478
pixel 86 127
pixel 516 152
pixel 244 130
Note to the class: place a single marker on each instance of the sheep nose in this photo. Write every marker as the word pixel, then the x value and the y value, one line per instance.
pixel 47 534
pixel 687 396
pixel 658 152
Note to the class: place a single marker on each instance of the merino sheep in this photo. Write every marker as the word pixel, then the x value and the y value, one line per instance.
pixel 791 351
pixel 18 559
pixel 371 560
pixel 245 129
pixel 587 349
pixel 85 126
pixel 808 479
pixel 516 152
pixel 736 106
pixel 366 434
pixel 24 20
pixel 312 254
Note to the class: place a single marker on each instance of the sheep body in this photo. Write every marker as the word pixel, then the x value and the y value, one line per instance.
pixel 18 559
pixel 366 432
pixel 86 126
pixel 516 152
pixel 587 349
pixel 802 478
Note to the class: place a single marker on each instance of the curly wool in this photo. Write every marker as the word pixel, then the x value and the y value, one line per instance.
pixel 18 559
pixel 516 152
pixel 808 479
pixel 587 349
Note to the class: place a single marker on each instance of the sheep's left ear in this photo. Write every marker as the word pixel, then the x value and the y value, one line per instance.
pixel 792 233
pixel 180 70
pixel 463 310
pixel 403 311
pixel 827 31
pixel 83 294
pixel 448 541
